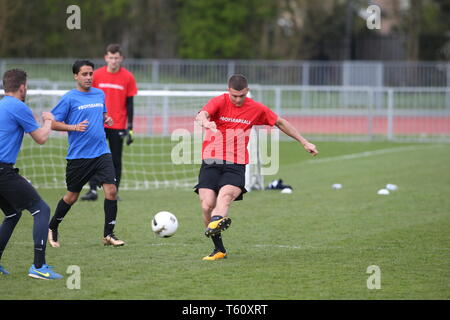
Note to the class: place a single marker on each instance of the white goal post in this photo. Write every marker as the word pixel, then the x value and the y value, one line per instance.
pixel 147 162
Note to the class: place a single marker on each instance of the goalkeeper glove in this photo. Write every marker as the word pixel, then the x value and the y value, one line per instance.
pixel 129 137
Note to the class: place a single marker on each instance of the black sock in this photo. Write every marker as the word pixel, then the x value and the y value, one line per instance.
pixel 110 207
pixel 7 228
pixel 93 184
pixel 41 214
pixel 218 244
pixel 61 210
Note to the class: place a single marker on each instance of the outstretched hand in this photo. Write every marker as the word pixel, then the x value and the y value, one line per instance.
pixel 210 125
pixel 311 148
pixel 81 127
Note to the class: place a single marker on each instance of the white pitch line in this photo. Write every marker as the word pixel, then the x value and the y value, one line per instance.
pixel 258 246
pixel 278 246
pixel 371 153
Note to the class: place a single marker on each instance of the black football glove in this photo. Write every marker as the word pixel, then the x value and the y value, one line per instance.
pixel 129 137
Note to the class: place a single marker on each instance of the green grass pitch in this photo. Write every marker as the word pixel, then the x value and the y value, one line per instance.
pixel 315 243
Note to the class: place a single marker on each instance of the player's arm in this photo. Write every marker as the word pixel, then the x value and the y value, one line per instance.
pixel 40 136
pixel 61 126
pixel 130 112
pixel 130 116
pixel 204 120
pixel 290 130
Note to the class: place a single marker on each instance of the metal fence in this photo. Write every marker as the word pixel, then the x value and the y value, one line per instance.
pixel 346 113
pixel 363 113
pixel 333 100
pixel 263 72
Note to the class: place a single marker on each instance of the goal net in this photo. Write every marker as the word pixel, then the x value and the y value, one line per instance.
pixel 166 151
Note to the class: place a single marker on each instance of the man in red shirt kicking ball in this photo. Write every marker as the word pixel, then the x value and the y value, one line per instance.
pixel 228 119
pixel 119 86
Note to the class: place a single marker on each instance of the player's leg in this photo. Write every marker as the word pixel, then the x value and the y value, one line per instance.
pixel 231 187
pixel 78 173
pixel 40 269
pixel 21 195
pixel 106 173
pixel 12 216
pixel 207 188
pixel 95 180
pixel 115 138
pixel 227 194
pixel 219 215
pixel 207 199
pixel 110 208
pixel 62 208
pixel 112 135
pixel 92 195
pixel 220 220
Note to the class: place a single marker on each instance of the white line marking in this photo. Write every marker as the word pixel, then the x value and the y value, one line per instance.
pixel 278 246
pixel 371 153
pixel 258 246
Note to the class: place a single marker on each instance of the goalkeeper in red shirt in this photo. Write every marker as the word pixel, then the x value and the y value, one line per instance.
pixel 229 118
pixel 119 86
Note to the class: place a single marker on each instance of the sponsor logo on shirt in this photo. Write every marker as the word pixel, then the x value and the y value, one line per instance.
pixel 90 105
pixel 111 85
pixel 234 120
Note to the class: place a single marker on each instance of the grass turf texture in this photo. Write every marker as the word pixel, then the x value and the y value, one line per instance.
pixel 315 243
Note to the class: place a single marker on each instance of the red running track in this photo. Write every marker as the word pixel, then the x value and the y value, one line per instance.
pixel 320 124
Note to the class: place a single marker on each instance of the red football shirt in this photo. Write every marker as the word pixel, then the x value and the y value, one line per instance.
pixel 117 87
pixel 234 125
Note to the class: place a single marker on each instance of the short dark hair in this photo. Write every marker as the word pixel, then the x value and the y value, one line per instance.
pixel 114 48
pixel 80 63
pixel 13 79
pixel 237 82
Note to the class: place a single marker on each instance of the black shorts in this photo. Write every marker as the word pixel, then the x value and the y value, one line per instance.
pixel 79 171
pixel 16 193
pixel 216 175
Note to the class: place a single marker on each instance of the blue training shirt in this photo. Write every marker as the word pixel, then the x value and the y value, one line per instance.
pixel 16 118
pixel 76 106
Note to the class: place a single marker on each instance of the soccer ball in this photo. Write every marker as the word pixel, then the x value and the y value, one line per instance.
pixel 164 224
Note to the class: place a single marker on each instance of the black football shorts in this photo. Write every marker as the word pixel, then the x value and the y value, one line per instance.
pixel 214 174
pixel 16 193
pixel 79 171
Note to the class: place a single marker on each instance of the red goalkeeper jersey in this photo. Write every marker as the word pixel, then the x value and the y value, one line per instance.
pixel 234 124
pixel 117 87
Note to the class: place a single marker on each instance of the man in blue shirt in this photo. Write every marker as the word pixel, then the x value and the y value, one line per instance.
pixel 82 112
pixel 16 193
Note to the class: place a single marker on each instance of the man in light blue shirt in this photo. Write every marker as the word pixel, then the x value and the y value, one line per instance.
pixel 82 113
pixel 16 193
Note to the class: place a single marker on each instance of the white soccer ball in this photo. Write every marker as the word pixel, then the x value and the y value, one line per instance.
pixel 164 224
